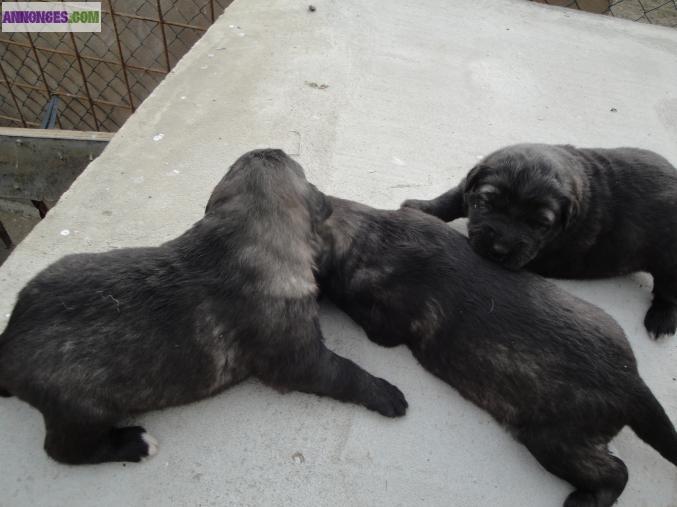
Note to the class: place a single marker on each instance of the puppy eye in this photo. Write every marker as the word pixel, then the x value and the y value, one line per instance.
pixel 482 202
pixel 487 198
pixel 541 225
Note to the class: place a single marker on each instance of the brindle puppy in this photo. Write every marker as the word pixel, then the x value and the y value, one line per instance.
pixel 95 338
pixel 556 371
pixel 566 212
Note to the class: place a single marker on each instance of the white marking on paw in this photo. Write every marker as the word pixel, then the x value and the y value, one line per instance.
pixel 152 444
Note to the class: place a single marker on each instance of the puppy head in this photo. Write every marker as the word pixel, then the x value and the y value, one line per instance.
pixel 268 180
pixel 518 201
pixel 273 220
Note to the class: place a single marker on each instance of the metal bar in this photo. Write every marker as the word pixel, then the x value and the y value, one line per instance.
pixel 84 82
pixel 154 20
pixel 4 236
pixel 41 206
pixel 164 36
pixel 11 92
pixel 211 9
pixel 69 135
pixel 51 113
pixel 122 60
pixel 70 95
pixel 18 120
pixel 89 58
pixel 42 73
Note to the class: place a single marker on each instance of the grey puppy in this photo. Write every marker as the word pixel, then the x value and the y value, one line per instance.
pixel 95 338
pixel 571 212
pixel 556 371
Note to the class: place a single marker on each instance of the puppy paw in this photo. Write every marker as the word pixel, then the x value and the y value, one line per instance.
pixel 661 319
pixel 152 444
pixel 387 399
pixel 581 499
pixel 424 206
pixel 133 443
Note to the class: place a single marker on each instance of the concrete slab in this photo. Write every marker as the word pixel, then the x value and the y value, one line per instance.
pixel 416 91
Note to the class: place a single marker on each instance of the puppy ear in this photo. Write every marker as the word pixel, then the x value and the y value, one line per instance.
pixel 474 177
pixel 570 211
pixel 320 207
pixel 219 194
pixel 572 204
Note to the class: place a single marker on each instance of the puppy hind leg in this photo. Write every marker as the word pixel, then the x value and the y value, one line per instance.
pixel 598 476
pixel 447 206
pixel 317 370
pixel 79 443
pixel 661 319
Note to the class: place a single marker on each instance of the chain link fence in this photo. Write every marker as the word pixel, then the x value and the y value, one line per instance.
pixel 99 78
pixel 657 12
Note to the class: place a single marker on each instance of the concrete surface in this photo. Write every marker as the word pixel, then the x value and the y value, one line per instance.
pixel 416 91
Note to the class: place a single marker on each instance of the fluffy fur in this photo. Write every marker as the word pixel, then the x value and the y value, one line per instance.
pixel 570 212
pixel 556 371
pixel 95 338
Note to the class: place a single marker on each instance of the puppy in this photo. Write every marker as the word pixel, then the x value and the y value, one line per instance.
pixel 556 371
pixel 567 212
pixel 95 338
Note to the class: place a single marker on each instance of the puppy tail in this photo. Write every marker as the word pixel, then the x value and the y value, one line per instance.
pixel 650 423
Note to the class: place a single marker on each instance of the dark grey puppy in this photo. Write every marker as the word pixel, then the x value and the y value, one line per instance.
pixel 556 371
pixel 95 338
pixel 571 212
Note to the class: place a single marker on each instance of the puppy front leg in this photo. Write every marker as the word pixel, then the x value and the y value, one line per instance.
pixel 661 319
pixel 447 206
pixel 317 370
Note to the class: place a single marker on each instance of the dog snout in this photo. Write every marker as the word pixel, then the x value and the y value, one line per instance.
pixel 498 246
pixel 489 233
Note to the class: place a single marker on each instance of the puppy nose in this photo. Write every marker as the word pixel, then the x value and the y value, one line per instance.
pixel 500 248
